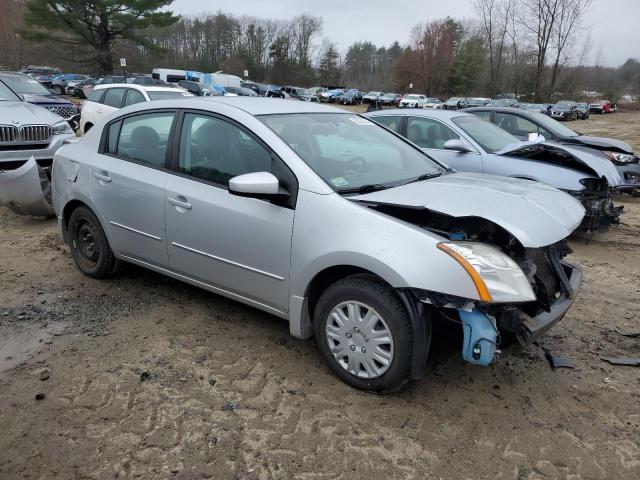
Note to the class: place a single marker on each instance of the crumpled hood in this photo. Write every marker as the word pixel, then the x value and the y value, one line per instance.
pixel 600 166
pixel 535 213
pixel 603 143
pixel 22 113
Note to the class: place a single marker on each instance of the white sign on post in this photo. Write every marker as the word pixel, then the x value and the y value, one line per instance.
pixel 246 73
pixel 123 62
pixel 411 85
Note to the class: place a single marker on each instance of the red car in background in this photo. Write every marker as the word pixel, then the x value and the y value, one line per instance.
pixel 601 106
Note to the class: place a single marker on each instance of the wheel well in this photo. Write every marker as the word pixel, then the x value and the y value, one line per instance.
pixel 66 214
pixel 328 277
pixel 87 127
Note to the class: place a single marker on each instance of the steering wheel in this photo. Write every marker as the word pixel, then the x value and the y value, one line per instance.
pixel 355 166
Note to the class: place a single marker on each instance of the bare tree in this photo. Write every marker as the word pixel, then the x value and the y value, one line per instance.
pixel 494 18
pixel 567 27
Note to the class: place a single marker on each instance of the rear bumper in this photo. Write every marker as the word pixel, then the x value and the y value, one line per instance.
pixel 532 328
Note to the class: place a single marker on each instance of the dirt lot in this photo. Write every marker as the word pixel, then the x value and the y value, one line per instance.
pixel 141 366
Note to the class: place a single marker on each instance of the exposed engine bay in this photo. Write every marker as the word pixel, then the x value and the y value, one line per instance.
pixel 554 282
pixel 596 196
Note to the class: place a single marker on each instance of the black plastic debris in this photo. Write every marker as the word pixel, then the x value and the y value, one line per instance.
pixel 631 362
pixel 40 396
pixel 559 361
pixel 628 333
pixel 230 406
pixel 145 376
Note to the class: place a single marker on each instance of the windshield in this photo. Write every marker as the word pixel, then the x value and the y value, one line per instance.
pixel 7 94
pixel 489 136
pixel 25 85
pixel 411 97
pixel 164 95
pixel 552 125
pixel 504 102
pixel 350 152
pixel 374 94
pixel 562 105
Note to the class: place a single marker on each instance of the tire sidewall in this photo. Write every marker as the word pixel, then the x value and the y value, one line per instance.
pixel 105 263
pixel 366 291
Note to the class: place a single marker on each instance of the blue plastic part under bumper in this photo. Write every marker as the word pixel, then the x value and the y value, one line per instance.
pixel 480 337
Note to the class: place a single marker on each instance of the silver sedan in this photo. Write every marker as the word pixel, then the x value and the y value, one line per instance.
pixel 323 218
pixel 470 144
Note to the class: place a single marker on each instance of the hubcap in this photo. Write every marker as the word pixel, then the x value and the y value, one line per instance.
pixel 359 339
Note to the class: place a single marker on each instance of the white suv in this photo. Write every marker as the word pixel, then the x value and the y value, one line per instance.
pixel 105 99
pixel 413 101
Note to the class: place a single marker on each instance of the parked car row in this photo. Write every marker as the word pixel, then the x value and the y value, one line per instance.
pixel 401 215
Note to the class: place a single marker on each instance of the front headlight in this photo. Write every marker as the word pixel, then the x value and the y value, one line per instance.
pixel 496 276
pixel 61 128
pixel 621 158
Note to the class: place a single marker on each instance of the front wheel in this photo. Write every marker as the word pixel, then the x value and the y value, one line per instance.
pixel 364 335
pixel 89 245
pixel 57 89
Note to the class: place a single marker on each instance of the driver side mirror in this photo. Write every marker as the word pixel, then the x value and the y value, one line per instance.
pixel 457 145
pixel 261 185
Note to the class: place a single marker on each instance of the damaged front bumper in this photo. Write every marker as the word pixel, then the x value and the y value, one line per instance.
pixel 26 190
pixel 557 284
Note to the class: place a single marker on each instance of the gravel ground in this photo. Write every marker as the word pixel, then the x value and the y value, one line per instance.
pixel 145 377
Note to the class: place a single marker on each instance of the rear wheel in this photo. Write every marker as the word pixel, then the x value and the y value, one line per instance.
pixel 57 89
pixel 89 245
pixel 364 335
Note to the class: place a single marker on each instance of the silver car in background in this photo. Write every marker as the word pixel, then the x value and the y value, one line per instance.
pixel 323 218
pixel 469 144
pixel 29 136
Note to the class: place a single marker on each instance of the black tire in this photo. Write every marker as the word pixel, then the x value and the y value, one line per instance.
pixel 57 89
pixel 89 245
pixel 369 290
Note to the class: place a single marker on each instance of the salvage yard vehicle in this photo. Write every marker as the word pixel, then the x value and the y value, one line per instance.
pixel 323 218
pixel 373 97
pixel 352 97
pixel 583 111
pixel 455 103
pixel 469 144
pixel 31 91
pixel 105 99
pixel 601 107
pixel 331 96
pixel 433 103
pixel 413 101
pixel 61 83
pixel 391 98
pixel 29 136
pixel 522 124
pixel 565 110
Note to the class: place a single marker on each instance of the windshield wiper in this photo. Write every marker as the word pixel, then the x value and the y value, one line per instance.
pixel 425 176
pixel 373 187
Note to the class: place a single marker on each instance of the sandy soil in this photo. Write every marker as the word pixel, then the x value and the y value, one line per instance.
pixel 141 366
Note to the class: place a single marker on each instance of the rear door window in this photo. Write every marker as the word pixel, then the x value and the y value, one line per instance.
pixel 391 122
pixel 144 138
pixel 113 97
pixel 428 133
pixel 133 97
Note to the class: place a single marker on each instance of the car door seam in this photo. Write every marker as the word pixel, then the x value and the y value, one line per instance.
pixel 139 232
pixel 230 262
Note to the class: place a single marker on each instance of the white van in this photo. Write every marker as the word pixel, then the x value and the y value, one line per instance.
pixel 208 79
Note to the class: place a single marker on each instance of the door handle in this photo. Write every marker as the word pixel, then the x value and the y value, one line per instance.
pixel 102 176
pixel 180 202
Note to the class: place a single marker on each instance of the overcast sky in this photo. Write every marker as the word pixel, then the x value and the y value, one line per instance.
pixel 615 32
